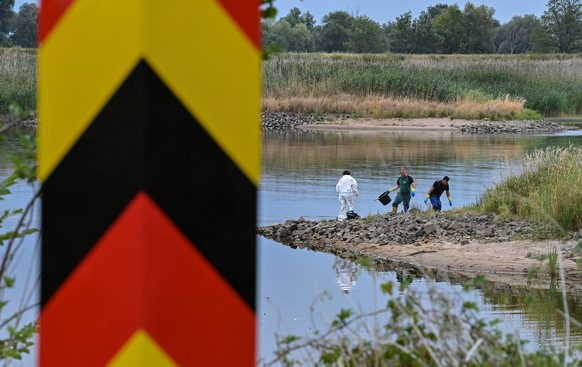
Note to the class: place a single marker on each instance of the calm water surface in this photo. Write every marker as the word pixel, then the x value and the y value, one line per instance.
pixel 299 174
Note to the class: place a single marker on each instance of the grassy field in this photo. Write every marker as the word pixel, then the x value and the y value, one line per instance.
pixel 496 87
pixel 17 79
pixel 457 86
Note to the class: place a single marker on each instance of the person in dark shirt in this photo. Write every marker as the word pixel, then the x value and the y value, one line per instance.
pixel 435 192
pixel 407 188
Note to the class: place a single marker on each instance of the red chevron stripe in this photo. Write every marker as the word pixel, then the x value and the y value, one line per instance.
pixel 50 13
pixel 144 274
pixel 247 17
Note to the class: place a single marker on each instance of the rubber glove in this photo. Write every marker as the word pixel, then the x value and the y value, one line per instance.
pixel 426 199
pixel 357 193
pixel 390 190
pixel 450 202
pixel 413 192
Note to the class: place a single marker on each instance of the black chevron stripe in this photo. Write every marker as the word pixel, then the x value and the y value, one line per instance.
pixel 144 139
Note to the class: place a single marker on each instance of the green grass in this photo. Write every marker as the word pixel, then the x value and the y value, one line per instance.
pixel 550 86
pixel 545 186
pixel 18 79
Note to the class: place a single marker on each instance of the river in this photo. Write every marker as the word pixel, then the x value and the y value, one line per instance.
pixel 300 291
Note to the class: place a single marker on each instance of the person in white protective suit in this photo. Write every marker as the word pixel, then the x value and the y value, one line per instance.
pixel 347 190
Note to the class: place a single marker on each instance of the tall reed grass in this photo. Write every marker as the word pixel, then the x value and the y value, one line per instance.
pixel 547 186
pixel 18 79
pixel 550 85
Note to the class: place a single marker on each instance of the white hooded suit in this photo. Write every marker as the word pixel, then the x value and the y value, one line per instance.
pixel 346 189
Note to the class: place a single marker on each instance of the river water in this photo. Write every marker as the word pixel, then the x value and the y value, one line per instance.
pixel 299 174
pixel 299 291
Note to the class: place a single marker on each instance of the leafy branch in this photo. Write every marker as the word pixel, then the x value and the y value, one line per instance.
pixel 17 339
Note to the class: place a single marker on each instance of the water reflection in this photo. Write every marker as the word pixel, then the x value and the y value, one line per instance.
pixel 346 273
pixel 542 310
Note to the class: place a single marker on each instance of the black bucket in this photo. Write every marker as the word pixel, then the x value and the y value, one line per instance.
pixel 384 198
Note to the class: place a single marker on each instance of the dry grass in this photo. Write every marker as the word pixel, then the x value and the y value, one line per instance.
pixel 388 107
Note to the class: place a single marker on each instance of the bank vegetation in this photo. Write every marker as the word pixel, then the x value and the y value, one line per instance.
pixel 495 87
pixel 18 79
pixel 545 186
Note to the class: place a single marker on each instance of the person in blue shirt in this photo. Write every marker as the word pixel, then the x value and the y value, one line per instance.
pixel 435 192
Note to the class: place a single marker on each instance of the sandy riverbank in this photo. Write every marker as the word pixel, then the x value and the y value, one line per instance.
pixel 507 263
pixel 426 124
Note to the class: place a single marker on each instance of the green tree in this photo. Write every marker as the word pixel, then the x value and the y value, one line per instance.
pixel 514 37
pixel 333 34
pixel 408 35
pixel 541 41
pixel 292 33
pixel 366 36
pixel 25 25
pixel 6 18
pixel 268 38
pixel 278 35
pixel 425 38
pixel 293 17
pixel 478 29
pixel 435 10
pixel 309 20
pixel 301 39
pixel 399 33
pixel 562 22
pixel 449 26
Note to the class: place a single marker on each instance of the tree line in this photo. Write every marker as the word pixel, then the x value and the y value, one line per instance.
pixel 440 29
pixel 18 28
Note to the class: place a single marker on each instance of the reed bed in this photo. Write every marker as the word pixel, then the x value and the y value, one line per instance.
pixel 546 185
pixel 18 79
pixel 551 86
pixel 389 107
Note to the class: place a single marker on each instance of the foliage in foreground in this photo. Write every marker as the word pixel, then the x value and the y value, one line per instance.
pixel 546 185
pixel 432 329
pixel 16 338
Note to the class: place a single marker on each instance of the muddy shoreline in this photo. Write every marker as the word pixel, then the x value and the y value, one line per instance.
pixel 454 249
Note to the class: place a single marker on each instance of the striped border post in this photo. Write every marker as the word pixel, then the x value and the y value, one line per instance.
pixel 149 159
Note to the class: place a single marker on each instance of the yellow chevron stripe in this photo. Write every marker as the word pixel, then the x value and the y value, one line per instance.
pixel 141 350
pixel 218 79
pixel 82 63
pixel 206 60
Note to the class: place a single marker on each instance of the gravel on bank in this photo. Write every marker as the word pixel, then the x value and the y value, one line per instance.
pixel 405 228
pixel 289 121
